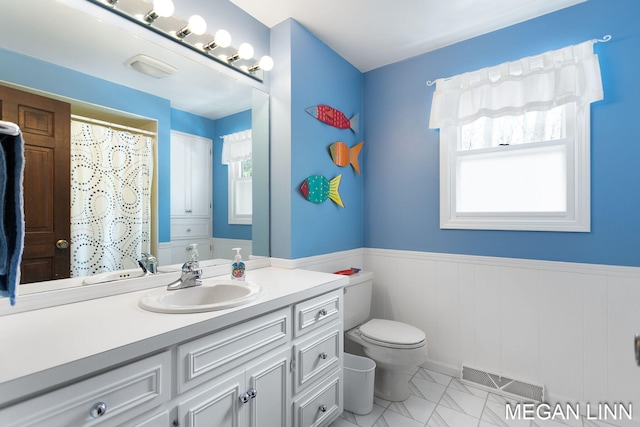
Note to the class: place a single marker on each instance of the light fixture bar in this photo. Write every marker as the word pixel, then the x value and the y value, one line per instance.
pixel 191 35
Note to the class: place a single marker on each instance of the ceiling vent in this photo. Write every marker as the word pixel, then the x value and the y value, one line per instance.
pixel 150 66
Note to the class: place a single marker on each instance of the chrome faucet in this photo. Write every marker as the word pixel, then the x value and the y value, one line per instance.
pixel 191 276
pixel 148 263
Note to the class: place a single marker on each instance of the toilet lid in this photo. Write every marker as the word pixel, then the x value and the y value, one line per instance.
pixel 389 333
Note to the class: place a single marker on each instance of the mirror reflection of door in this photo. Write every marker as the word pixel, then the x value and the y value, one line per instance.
pixel 45 128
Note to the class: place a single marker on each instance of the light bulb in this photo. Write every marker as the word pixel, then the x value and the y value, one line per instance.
pixel 197 25
pixel 222 38
pixel 245 51
pixel 160 8
pixel 163 8
pixel 266 63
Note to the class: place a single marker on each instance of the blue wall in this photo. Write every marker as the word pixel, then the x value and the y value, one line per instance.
pixel 221 227
pixel 401 190
pixel 321 76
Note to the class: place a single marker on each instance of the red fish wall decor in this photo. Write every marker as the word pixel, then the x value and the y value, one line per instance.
pixel 333 117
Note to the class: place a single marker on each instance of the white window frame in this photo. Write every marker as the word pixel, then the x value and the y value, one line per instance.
pixel 577 217
pixel 234 181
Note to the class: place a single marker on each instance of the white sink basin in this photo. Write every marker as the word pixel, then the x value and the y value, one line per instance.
pixel 213 294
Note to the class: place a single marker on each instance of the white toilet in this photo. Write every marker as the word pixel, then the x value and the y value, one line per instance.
pixel 394 346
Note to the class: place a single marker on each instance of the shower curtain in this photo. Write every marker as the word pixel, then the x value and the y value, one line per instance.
pixel 111 174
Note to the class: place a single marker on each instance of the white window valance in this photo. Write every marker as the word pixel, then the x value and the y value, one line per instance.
pixel 236 147
pixel 541 82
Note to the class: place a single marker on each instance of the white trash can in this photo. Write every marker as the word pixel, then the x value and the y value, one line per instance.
pixel 359 375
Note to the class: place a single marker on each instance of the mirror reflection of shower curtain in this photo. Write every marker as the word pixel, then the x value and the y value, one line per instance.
pixel 111 173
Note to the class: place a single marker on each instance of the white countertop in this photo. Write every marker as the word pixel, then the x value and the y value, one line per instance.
pixel 46 348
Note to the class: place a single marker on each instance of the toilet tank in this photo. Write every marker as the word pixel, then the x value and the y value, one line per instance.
pixel 357 299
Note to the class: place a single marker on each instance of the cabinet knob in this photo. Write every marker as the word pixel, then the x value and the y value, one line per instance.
pixel 62 244
pixel 250 394
pixel 188 230
pixel 98 410
pixel 322 312
pixel 323 408
pixel 323 355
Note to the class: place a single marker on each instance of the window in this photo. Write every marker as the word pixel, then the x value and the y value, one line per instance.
pixel 514 143
pixel 237 155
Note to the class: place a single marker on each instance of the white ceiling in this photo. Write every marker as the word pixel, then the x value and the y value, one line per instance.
pixel 373 33
pixel 368 33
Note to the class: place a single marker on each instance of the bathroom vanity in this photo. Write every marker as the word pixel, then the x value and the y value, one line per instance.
pixel 274 362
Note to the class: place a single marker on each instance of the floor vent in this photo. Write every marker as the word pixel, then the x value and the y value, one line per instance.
pixel 500 384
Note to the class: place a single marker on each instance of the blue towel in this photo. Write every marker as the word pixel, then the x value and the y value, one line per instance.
pixel 11 213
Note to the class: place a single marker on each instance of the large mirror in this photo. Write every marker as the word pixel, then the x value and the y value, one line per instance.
pixel 72 51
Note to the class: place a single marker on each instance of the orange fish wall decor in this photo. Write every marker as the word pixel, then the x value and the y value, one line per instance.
pixel 343 155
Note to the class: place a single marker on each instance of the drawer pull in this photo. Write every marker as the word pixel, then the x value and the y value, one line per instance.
pixel 98 410
pixel 323 408
pixel 323 356
pixel 188 230
pixel 322 312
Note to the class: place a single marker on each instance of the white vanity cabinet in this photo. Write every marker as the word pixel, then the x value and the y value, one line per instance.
pixel 317 353
pixel 255 395
pixel 275 364
pixel 238 376
pixel 249 374
pixel 108 399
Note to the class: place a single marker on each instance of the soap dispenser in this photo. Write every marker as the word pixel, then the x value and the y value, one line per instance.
pixel 237 268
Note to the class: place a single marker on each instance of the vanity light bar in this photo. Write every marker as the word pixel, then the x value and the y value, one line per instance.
pixel 192 34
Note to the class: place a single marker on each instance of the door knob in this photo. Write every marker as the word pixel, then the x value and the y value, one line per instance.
pixel 62 244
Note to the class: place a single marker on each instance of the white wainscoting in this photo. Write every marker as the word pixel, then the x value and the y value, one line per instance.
pixel 177 251
pixel 567 326
pixel 223 248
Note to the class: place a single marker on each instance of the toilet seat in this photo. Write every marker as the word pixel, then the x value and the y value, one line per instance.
pixel 392 334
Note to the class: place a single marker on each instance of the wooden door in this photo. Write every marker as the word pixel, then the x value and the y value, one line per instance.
pixel 45 125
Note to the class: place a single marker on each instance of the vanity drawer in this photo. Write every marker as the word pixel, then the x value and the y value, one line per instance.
pixel 321 406
pixel 186 228
pixel 113 397
pixel 317 312
pixel 207 357
pixel 316 357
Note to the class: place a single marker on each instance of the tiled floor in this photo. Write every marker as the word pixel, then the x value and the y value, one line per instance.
pixel 438 400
